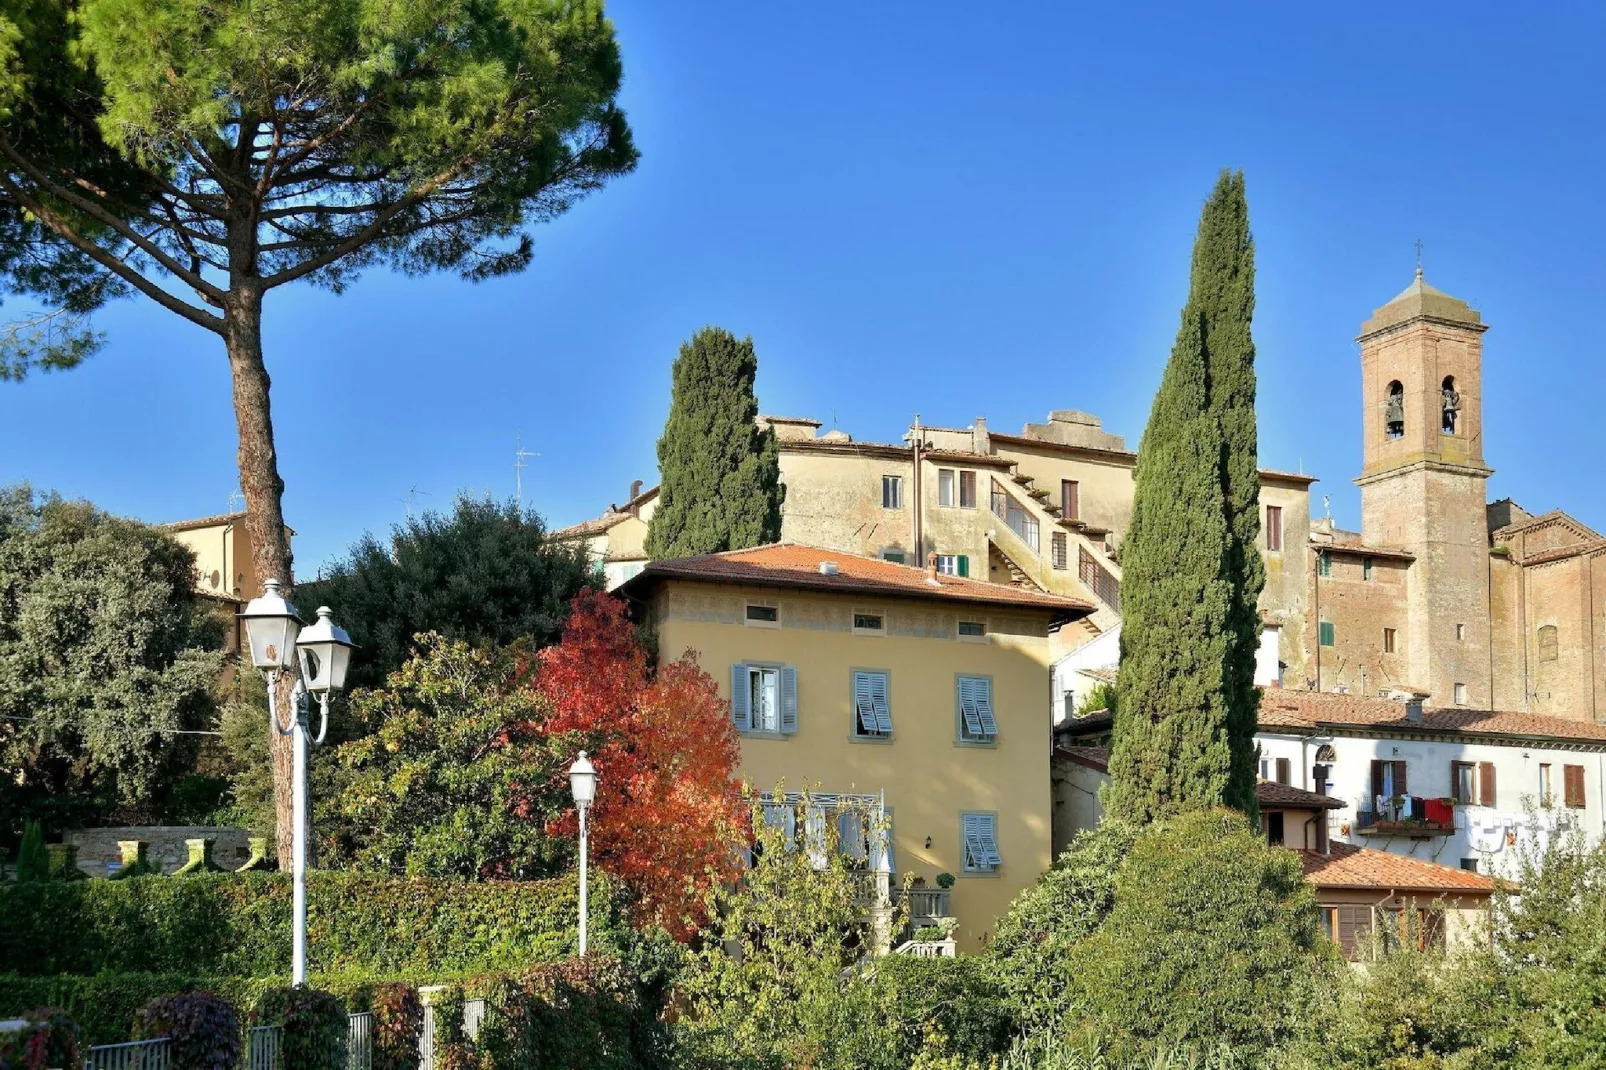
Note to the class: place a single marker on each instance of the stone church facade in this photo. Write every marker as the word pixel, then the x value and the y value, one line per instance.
pixel 1466 602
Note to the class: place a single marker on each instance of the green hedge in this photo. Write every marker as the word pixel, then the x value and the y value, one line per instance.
pixel 238 925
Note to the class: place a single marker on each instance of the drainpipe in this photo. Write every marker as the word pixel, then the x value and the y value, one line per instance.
pixel 919 498
pixel 1316 598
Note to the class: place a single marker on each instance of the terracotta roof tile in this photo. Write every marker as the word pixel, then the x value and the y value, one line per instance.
pixel 797 566
pixel 1093 757
pixel 594 526
pixel 1312 709
pixel 205 521
pixel 1348 866
pixel 1271 793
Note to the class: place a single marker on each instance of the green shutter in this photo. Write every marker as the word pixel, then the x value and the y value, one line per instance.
pixel 964 564
pixel 1327 633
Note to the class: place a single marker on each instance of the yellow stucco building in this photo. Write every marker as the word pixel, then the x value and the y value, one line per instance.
pixel 858 676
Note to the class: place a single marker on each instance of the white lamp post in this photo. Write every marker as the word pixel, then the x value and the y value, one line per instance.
pixel 317 658
pixel 583 785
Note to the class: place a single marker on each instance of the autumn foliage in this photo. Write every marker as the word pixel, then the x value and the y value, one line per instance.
pixel 668 813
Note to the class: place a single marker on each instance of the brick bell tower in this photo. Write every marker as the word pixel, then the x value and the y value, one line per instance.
pixel 1424 481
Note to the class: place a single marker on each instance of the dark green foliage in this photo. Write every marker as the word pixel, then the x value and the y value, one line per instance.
pixel 1184 733
pixel 398 1026
pixel 720 475
pixel 488 574
pixel 314 1024
pixel 1033 946
pixel 105 652
pixel 239 925
pixel 962 999
pixel 1214 936
pixel 33 861
pixel 581 1012
pixel 48 1042
pixel 203 1029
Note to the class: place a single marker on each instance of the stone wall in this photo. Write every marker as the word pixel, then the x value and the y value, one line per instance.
pixel 98 847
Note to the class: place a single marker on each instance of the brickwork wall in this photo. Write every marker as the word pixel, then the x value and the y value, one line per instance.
pixel 1360 609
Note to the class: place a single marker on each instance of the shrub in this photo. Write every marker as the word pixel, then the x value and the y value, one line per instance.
pixel 48 1041
pixel 952 1006
pixel 1213 938
pixel 314 1024
pixel 33 861
pixel 203 1029
pixel 238 925
pixel 582 1012
pixel 398 1026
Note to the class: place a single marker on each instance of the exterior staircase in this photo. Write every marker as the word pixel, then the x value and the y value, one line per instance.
pixel 1023 542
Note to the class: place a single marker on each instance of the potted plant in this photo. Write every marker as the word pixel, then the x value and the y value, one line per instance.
pixel 945 880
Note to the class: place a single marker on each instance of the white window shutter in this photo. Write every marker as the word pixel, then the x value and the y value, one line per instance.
pixel 850 833
pixel 882 855
pixel 741 699
pixel 789 699
pixel 814 836
pixel 863 705
pixel 878 703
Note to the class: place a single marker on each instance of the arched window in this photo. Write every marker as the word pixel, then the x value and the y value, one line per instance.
pixel 1394 411
pixel 1325 753
pixel 1549 644
pixel 1450 402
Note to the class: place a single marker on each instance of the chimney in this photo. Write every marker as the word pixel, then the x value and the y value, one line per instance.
pixel 1413 709
pixel 931 567
pixel 635 492
pixel 980 441
pixel 828 568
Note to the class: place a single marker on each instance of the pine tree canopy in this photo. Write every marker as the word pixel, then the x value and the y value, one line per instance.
pixel 720 474
pixel 1191 573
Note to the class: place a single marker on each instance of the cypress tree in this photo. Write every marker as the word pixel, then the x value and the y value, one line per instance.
pixel 720 475
pixel 1191 574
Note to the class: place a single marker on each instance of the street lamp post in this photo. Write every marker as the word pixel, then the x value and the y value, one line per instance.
pixel 316 659
pixel 583 785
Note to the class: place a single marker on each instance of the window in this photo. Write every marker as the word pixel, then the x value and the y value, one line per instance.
pixel 1460 694
pixel 892 492
pixel 1274 828
pixel 1060 555
pixel 945 487
pixel 1265 768
pixel 1549 645
pixel 1350 927
pixel 978 838
pixel 1274 528
pixel 895 556
pixel 1472 784
pixel 1285 772
pixel 972 629
pixel 1327 634
pixel 1388 780
pixel 869 624
pixel 1546 798
pixel 1366 569
pixel 967 490
pixel 1450 405
pixel 764 698
pixel 1388 640
pixel 953 564
pixel 1470 865
pixel 1070 499
pixel 1460 633
pixel 1573 784
pixel 872 712
pixel 762 616
pixel 976 721
pixel 1324 563
pixel 1394 411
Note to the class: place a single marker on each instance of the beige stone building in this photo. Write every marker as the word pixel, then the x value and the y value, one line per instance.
pixel 1468 603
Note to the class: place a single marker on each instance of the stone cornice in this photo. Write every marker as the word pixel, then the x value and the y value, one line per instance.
pixel 1477 471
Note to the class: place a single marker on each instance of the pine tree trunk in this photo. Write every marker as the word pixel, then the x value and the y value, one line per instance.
pixel 264 518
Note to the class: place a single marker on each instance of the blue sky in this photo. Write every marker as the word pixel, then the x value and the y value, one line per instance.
pixel 956 210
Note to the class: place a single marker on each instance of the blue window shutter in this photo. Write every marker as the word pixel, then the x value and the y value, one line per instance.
pixel 863 704
pixel 984 706
pixel 878 700
pixel 741 711
pixel 964 564
pixel 789 699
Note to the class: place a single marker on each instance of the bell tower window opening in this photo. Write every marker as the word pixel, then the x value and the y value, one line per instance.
pixel 1394 411
pixel 1450 401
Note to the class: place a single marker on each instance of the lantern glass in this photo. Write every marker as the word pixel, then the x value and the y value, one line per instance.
pixel 271 627
pixel 325 651
pixel 583 780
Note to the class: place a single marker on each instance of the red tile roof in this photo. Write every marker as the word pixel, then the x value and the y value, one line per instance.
pixel 1269 792
pixel 1093 757
pixel 1314 709
pixel 1364 868
pixel 205 521
pixel 797 566
pixel 594 526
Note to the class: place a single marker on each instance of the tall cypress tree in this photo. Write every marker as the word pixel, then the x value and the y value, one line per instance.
pixel 720 475
pixel 1191 575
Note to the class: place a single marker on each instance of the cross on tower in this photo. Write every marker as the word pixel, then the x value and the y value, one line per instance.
pixel 1419 257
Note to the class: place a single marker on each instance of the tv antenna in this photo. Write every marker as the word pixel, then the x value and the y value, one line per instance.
pixel 235 496
pixel 519 464
pixel 412 495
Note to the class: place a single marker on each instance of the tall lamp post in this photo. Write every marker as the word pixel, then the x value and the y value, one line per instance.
pixel 583 785
pixel 315 659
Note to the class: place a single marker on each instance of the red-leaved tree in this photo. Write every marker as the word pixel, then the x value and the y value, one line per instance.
pixel 668 817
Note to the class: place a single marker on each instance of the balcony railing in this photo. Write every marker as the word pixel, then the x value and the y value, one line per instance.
pixel 1098 579
pixel 1371 823
pixel 1014 514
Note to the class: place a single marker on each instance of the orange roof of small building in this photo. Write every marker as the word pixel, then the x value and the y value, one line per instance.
pixel 797 566
pixel 212 522
pixel 595 526
pixel 1313 709
pixel 1363 868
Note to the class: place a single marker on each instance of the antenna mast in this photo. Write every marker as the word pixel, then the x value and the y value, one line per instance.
pixel 519 464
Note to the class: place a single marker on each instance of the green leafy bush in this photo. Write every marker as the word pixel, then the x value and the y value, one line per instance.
pixel 314 1024
pixel 238 925
pixel 398 1026
pixel 581 1012
pixel 203 1029
pixel 949 1006
pixel 49 1040
pixel 33 861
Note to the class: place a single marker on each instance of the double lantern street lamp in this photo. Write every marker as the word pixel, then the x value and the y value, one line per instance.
pixel 316 658
pixel 583 786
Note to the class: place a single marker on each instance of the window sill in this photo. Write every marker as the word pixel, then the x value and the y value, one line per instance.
pixel 759 733
pixel 978 744
pixel 985 873
pixel 882 740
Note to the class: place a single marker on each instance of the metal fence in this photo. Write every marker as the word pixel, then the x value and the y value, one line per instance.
pixel 136 1055
pixel 263 1048
pixel 360 1042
